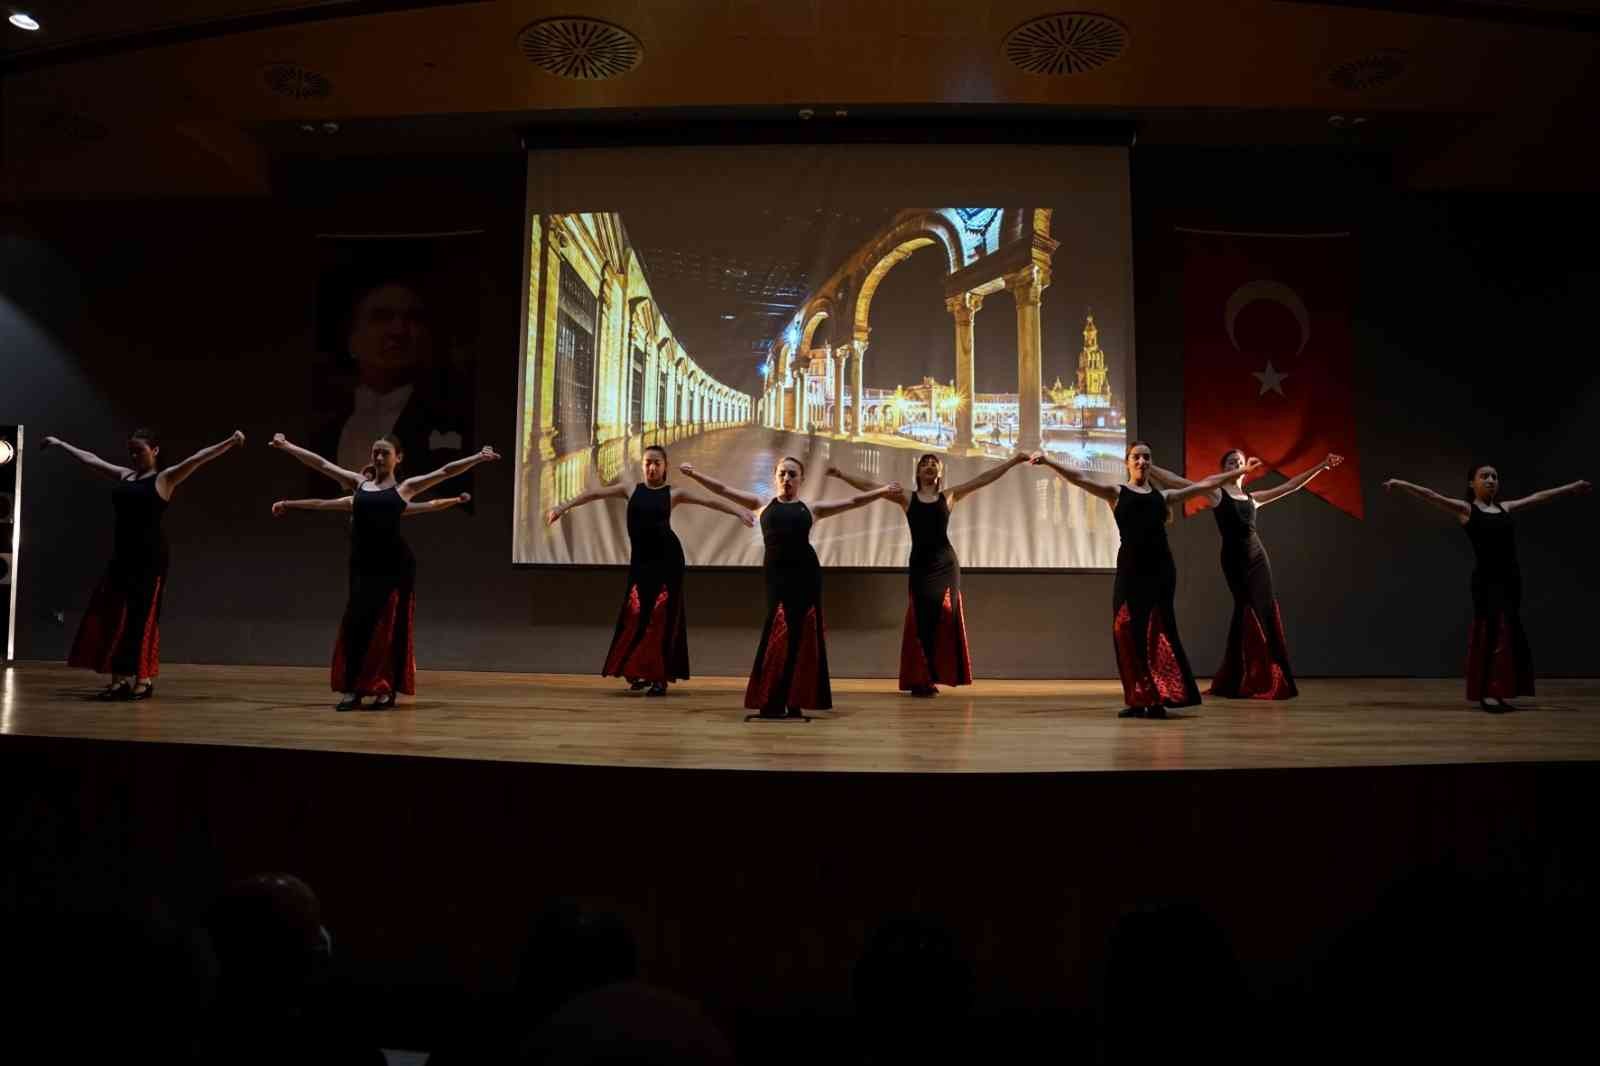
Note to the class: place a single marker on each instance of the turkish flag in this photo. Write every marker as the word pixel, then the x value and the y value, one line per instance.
pixel 1267 356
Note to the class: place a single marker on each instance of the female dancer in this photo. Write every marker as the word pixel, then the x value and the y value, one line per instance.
pixel 651 644
pixel 1144 627
pixel 933 645
pixel 120 633
pixel 791 667
pixel 373 655
pixel 1499 663
pixel 1256 663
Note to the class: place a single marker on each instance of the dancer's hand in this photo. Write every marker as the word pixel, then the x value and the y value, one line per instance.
pixel 687 468
pixel 1332 460
pixel 487 454
pixel 748 518
pixel 1584 488
pixel 1251 465
pixel 893 488
pixel 1036 458
pixel 279 510
pixel 1388 486
pixel 237 438
pixel 49 442
pixel 552 516
pixel 1019 459
pixel 465 497
pixel 278 441
pixel 834 471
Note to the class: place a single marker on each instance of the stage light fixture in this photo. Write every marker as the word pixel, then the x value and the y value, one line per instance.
pixel 23 21
pixel 6 452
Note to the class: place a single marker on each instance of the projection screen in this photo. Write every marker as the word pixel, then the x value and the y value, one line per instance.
pixel 853 306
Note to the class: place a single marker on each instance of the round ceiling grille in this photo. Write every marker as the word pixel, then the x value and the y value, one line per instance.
pixel 1369 71
pixel 1069 42
pixel 580 48
pixel 295 82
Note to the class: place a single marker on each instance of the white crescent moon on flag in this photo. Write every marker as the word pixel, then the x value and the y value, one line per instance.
pixel 1278 293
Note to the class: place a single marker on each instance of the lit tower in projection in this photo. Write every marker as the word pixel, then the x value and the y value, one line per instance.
pixel 1093 386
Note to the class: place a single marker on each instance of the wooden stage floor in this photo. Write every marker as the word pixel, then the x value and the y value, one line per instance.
pixel 990 727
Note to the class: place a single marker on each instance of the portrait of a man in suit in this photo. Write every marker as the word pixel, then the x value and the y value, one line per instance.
pixel 390 369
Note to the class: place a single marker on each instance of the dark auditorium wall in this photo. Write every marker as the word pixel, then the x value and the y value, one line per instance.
pixel 195 317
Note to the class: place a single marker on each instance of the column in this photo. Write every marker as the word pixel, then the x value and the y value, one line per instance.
pixel 840 355
pixel 964 307
pixel 1027 288
pixel 802 420
pixel 858 393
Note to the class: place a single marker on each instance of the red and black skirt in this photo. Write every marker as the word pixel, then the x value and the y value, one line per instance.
pixel 1256 663
pixel 791 664
pixel 651 642
pixel 121 629
pixel 1499 660
pixel 1151 661
pixel 374 653
pixel 933 645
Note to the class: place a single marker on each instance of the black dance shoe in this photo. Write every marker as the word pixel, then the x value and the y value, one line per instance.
pixel 1158 711
pixel 115 693
pixel 925 691
pixel 349 703
pixel 636 683
pixel 1131 712
pixel 1497 707
pixel 142 691
pixel 382 703
pixel 657 689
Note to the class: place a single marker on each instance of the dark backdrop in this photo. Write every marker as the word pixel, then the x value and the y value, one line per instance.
pixel 196 317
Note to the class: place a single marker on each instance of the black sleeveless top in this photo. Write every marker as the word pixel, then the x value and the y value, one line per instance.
pixel 1142 523
pixel 1494 542
pixel 930 530
pixel 139 509
pixel 1236 520
pixel 650 521
pixel 375 542
pixel 786 532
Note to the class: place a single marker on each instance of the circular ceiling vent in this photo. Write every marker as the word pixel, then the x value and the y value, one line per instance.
pixel 295 82
pixel 1369 71
pixel 580 48
pixel 1068 42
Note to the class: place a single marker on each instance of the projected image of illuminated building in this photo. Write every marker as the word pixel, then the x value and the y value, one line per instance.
pixel 1081 418
pixel 605 375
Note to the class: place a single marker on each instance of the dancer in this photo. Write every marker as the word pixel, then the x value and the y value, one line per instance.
pixel 651 644
pixel 373 654
pixel 120 633
pixel 790 674
pixel 933 644
pixel 1256 662
pixel 1144 627
pixel 1499 662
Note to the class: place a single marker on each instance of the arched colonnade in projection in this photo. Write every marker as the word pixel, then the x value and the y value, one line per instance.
pixel 606 377
pixel 986 250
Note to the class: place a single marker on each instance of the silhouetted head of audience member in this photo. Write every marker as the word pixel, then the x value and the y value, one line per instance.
pixel 913 990
pixel 1172 983
pixel 268 934
pixel 571 949
pixel 627 1023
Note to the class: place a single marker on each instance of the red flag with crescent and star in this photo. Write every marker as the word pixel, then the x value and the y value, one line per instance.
pixel 1267 362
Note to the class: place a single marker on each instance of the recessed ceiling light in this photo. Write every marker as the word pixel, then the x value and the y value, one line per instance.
pixel 727 318
pixel 24 21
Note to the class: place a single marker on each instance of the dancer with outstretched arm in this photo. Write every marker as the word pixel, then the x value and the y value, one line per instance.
pixel 120 633
pixel 373 654
pixel 790 675
pixel 650 647
pixel 1144 626
pixel 1499 661
pixel 1256 662
pixel 933 644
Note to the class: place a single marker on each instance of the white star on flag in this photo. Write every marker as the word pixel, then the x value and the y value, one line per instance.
pixel 1271 379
